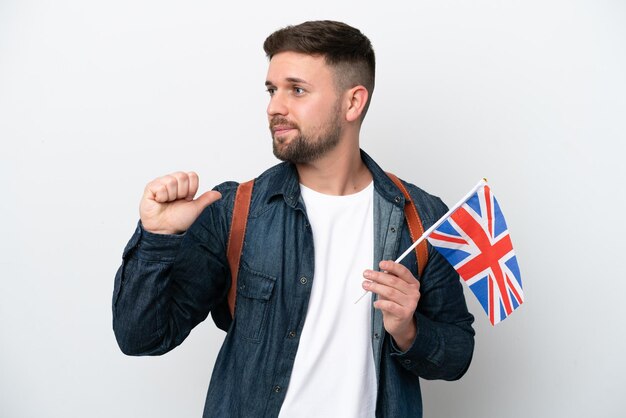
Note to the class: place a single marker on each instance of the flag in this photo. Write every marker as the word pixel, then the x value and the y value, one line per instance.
pixel 476 241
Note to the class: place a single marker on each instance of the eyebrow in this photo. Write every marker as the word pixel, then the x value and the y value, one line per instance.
pixel 290 80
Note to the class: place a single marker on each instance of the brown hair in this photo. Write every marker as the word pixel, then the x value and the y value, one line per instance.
pixel 343 47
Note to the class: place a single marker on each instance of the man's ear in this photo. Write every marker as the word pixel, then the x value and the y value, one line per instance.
pixel 356 98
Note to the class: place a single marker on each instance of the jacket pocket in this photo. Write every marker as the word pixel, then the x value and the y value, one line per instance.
pixel 254 293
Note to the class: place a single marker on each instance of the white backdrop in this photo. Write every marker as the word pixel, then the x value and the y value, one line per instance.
pixel 97 98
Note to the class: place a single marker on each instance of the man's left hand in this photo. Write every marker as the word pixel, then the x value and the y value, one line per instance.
pixel 398 293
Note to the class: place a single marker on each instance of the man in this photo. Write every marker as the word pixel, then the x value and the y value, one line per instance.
pixel 322 228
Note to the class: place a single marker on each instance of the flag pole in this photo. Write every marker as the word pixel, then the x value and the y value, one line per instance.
pixel 434 226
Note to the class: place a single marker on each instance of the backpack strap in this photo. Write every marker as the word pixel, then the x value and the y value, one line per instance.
pixel 238 224
pixel 416 229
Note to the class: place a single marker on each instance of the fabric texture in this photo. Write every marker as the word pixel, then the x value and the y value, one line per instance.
pixel 167 284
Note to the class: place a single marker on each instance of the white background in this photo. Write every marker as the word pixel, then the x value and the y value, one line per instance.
pixel 97 98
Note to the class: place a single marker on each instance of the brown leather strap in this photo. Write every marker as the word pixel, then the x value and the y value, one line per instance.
pixel 236 236
pixel 415 225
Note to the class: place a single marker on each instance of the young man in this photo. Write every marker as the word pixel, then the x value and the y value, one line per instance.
pixel 323 226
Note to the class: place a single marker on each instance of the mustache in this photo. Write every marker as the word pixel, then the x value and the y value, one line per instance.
pixel 282 121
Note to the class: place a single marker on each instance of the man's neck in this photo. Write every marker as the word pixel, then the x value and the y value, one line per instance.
pixel 340 172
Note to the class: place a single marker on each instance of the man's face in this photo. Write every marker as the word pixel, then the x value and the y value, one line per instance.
pixel 304 111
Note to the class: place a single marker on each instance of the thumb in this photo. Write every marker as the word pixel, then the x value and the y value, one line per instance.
pixel 206 199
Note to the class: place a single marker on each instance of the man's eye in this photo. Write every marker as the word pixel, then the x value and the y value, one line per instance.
pixel 298 90
pixel 271 91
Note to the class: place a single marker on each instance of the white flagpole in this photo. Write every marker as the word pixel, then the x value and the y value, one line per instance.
pixel 434 226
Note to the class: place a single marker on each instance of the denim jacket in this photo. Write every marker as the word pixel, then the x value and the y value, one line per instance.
pixel 167 284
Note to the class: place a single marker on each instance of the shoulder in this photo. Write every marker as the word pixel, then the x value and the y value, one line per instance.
pixel 266 185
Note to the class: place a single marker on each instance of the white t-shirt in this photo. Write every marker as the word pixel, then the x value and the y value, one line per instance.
pixel 334 374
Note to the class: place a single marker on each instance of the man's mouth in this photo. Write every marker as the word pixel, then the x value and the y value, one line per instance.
pixel 281 129
pixel 281 126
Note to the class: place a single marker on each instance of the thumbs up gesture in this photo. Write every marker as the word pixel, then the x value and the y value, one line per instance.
pixel 168 205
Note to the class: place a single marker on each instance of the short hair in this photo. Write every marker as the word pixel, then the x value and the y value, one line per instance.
pixel 343 47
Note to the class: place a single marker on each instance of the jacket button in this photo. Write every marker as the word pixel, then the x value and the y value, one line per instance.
pixel 303 280
pixel 377 335
pixel 393 229
pixel 398 199
pixel 277 388
pixel 292 334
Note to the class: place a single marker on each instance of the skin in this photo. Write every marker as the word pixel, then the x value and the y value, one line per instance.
pixel 305 106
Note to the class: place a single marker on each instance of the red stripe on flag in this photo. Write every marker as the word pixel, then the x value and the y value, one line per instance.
pixel 446 238
pixel 489 213
pixel 517 296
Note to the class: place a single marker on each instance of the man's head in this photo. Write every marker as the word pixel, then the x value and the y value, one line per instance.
pixel 344 48
pixel 320 80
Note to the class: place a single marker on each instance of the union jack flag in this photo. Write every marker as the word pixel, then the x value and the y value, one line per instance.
pixel 476 241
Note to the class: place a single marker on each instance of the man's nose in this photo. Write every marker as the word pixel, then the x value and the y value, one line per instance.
pixel 277 105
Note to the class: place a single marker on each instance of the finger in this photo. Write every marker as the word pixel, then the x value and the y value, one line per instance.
pixel 387 279
pixel 171 185
pixel 397 270
pixel 400 308
pixel 389 307
pixel 206 199
pixel 388 293
pixel 194 182
pixel 182 184
pixel 157 191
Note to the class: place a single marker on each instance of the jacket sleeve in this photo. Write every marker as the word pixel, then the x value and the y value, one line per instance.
pixel 167 284
pixel 444 344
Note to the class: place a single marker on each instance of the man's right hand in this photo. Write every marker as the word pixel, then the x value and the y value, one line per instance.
pixel 167 205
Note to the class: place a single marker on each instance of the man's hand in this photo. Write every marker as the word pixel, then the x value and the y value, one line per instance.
pixel 167 205
pixel 398 293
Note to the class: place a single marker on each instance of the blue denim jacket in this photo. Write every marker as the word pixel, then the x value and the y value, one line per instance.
pixel 167 284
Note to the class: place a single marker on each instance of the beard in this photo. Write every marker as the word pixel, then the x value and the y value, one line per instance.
pixel 306 147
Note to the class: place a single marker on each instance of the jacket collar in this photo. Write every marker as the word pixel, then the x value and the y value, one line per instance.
pixel 382 183
pixel 284 181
